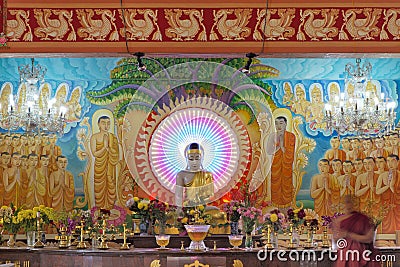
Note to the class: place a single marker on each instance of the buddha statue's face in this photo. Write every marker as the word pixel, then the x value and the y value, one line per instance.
pixel 333 92
pixel 194 161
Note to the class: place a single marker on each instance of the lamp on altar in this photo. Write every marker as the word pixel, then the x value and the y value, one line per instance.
pixel 362 109
pixel 33 110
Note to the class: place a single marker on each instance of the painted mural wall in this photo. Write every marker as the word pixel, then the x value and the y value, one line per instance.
pixel 127 128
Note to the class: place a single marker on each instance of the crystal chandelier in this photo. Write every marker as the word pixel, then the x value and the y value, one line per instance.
pixel 33 111
pixel 361 108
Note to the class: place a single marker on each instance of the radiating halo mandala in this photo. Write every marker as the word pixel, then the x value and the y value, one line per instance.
pixel 162 140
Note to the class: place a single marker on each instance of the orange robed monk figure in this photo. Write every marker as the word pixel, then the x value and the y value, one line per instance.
pixel 282 145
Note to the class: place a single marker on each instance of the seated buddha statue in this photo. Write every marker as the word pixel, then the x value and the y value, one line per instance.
pixel 194 185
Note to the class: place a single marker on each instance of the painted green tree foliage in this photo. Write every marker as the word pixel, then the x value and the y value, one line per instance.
pixel 126 87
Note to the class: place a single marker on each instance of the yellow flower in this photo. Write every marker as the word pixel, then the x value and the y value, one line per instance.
pixel 140 205
pixel 201 207
pixel 192 212
pixel 274 217
pixel 184 220
pixel 145 206
pixel 296 211
pixel 136 199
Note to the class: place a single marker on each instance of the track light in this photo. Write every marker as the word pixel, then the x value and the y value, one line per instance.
pixel 141 66
pixel 250 56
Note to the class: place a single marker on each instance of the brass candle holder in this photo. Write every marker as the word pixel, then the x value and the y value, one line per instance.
pixel 76 237
pixel 63 239
pixel 325 240
pixel 267 240
pixel 125 245
pixel 39 243
pixel 292 243
pixel 81 244
pixel 103 237
pixel 310 230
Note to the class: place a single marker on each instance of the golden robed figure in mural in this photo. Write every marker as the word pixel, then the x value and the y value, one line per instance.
pixel 104 146
pixel 282 145
pixel 194 185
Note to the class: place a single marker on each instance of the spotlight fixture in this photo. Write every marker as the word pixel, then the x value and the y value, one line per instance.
pixel 250 56
pixel 141 66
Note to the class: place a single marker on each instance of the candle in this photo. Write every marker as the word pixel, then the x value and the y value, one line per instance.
pixel 38 214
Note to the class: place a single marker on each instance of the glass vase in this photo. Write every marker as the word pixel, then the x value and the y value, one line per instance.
pixel 234 228
pixel 248 243
pixel 11 240
pixel 30 238
pixel 144 226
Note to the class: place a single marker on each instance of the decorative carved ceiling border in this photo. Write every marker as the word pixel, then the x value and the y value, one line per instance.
pixel 204 30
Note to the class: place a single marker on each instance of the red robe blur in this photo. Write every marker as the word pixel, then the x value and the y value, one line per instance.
pixel 360 224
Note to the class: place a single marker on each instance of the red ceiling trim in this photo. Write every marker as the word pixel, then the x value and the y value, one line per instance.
pixel 179 28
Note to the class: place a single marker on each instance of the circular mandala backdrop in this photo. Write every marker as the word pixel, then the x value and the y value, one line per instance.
pixel 211 131
pixel 163 137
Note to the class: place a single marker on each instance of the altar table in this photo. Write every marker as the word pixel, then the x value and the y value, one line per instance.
pixel 142 256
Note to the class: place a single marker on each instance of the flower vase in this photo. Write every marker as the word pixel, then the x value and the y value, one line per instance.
pixel 162 227
pixel 234 228
pixel 144 226
pixel 11 240
pixel 30 238
pixel 294 237
pixel 248 243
